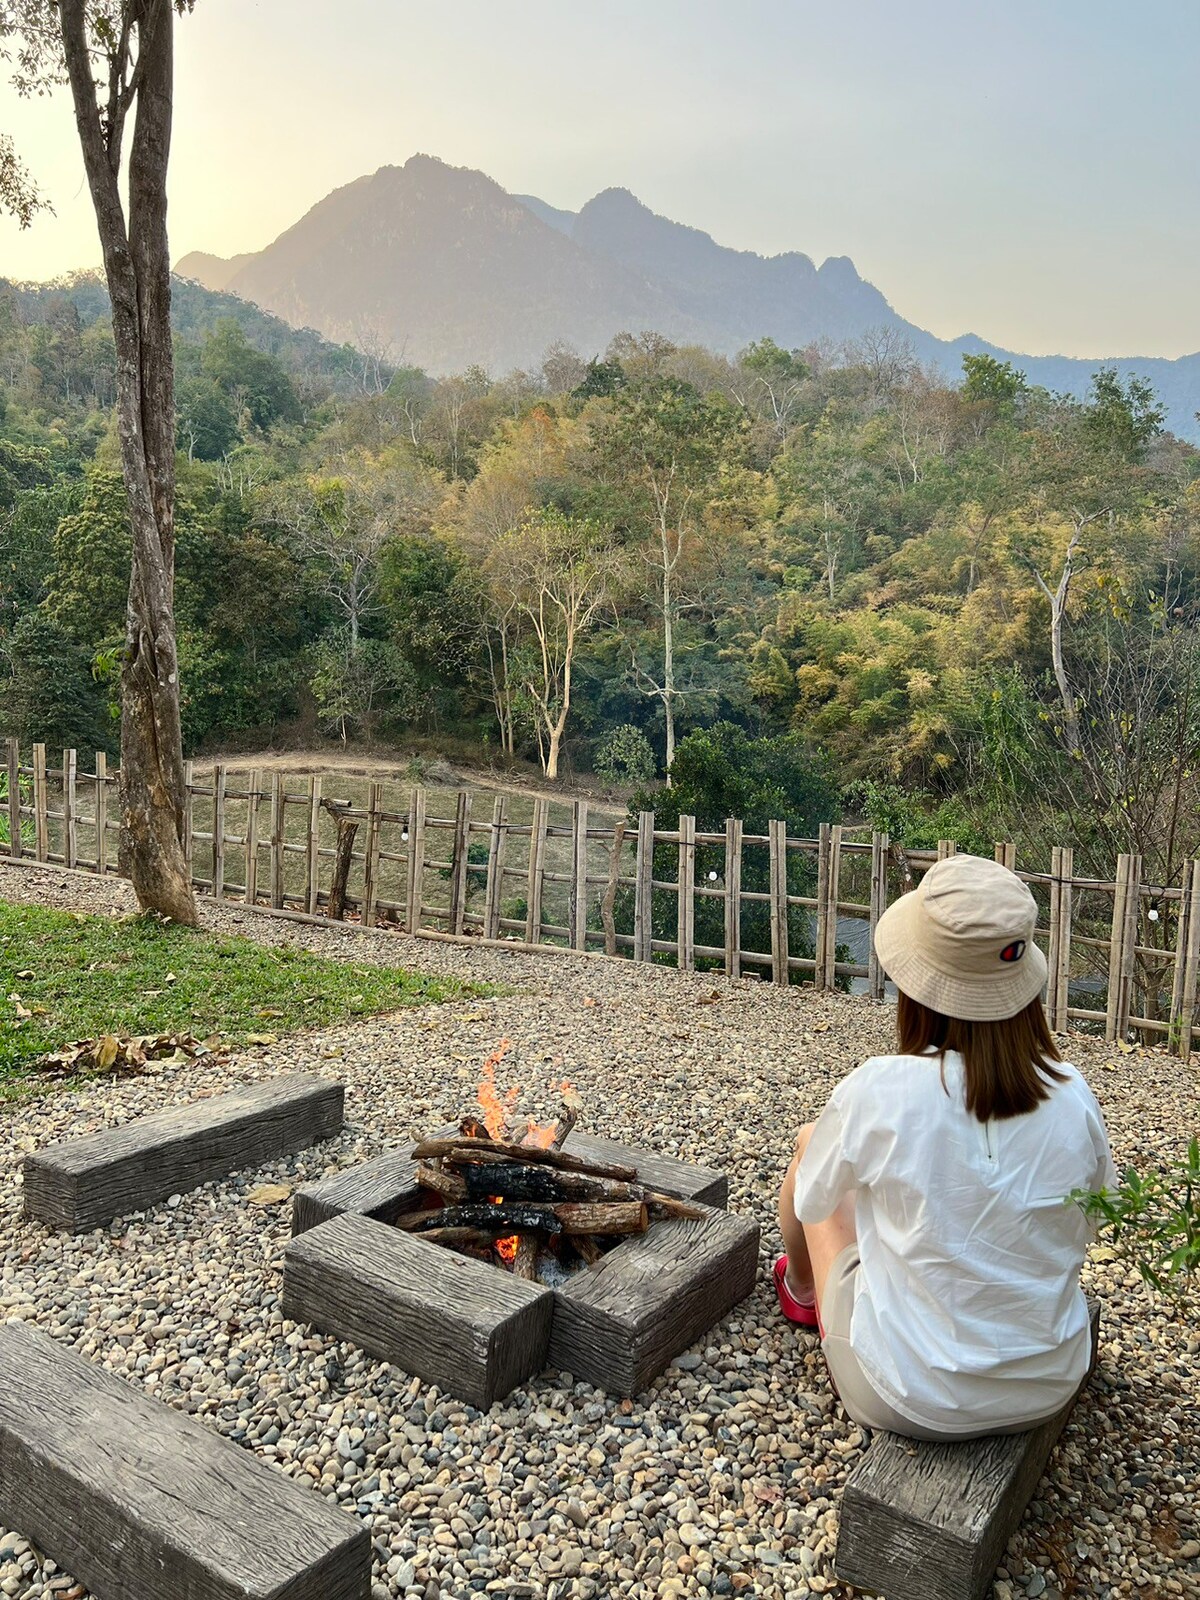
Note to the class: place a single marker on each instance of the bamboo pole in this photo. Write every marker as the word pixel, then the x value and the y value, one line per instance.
pixel 312 863
pixel 252 799
pixel 879 860
pixel 1179 967
pixel 643 901
pixel 101 812
pixel 1062 990
pixel 70 818
pixel 945 849
pixel 13 750
pixel 218 832
pixel 733 897
pixel 777 841
pixel 579 895
pixel 416 863
pixel 278 807
pixel 495 867
pixel 371 854
pixel 1133 907
pixel 831 921
pixel 188 820
pixel 822 938
pixel 41 823
pixel 1006 854
pixel 459 881
pixel 1116 948
pixel 535 880
pixel 1052 944
pixel 1193 964
pixel 686 878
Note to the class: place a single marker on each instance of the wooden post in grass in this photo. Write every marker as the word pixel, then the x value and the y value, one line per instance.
pixel 777 840
pixel 833 891
pixel 312 865
pixel 608 904
pixel 1062 980
pixel 41 824
pixel 821 942
pixel 343 856
pixel 686 876
pixel 1055 931
pixel 14 798
pixel 495 868
pixel 579 894
pixel 1187 960
pixel 733 897
pixel 643 894
pixel 278 804
pixel 218 832
pixel 534 881
pixel 880 845
pixel 70 818
pixel 252 799
pixel 415 879
pixel 371 854
pixel 460 882
pixel 188 799
pixel 101 810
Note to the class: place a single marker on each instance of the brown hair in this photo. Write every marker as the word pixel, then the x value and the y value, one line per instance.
pixel 1006 1063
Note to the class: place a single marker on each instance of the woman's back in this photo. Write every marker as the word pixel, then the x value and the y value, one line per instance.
pixel 968 1304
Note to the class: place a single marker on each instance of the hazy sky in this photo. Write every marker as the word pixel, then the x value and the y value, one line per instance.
pixel 1028 171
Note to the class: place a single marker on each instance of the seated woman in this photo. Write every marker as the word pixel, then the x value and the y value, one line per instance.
pixel 924 1214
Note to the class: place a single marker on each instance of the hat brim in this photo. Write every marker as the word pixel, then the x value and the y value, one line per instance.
pixel 987 998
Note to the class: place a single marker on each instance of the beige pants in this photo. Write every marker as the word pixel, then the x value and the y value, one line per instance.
pixel 863 1403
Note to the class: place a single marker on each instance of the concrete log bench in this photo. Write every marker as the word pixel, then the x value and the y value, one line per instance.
pixel 924 1521
pixel 136 1500
pixel 84 1183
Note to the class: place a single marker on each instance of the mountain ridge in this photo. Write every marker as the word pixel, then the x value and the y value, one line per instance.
pixel 451 270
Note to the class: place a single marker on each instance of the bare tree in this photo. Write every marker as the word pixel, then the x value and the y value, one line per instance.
pixel 117 57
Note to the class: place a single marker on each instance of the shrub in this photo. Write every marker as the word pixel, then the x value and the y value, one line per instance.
pixel 625 756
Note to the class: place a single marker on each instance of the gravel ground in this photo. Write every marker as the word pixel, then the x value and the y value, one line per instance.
pixel 725 1477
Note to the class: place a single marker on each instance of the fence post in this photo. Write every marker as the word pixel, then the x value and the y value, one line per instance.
pixel 495 868
pixel 278 806
pixel 1062 987
pixel 833 890
pixel 252 798
pixel 14 798
pixel 643 894
pixel 312 867
pixel 579 899
pixel 218 832
pixel 821 941
pixel 608 904
pixel 70 823
pixel 101 809
pixel 686 880
pixel 187 818
pixel 733 897
pixel 1005 853
pixel 534 883
pixel 946 848
pixel 1115 947
pixel 459 882
pixel 415 894
pixel 41 824
pixel 1192 964
pixel 879 859
pixel 777 840
pixel 1052 943
pixel 371 853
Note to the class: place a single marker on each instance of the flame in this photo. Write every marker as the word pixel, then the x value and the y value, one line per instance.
pixel 506 1249
pixel 496 1109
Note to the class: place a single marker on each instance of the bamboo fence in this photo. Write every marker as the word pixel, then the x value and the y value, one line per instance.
pixel 644 893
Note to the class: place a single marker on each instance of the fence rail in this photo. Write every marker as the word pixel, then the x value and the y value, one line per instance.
pixel 765 905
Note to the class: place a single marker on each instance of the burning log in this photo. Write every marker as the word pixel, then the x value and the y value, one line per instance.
pixel 496 1220
pixel 448 1184
pixel 465 1149
pixel 524 1261
pixel 518 1181
pixel 623 1216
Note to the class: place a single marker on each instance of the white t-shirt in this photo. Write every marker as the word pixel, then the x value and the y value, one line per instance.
pixel 967 1307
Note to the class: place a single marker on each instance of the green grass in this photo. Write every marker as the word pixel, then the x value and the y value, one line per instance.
pixel 83 976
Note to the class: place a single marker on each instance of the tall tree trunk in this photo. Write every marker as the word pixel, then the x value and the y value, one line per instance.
pixel 137 268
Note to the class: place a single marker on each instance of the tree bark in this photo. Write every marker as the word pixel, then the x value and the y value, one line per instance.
pixel 137 269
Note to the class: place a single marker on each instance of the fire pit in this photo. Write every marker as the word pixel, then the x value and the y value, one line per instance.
pixel 476 1257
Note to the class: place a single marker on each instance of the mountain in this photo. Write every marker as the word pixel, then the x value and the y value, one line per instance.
pixel 448 269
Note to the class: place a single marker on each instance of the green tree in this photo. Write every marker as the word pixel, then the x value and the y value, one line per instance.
pixel 50 694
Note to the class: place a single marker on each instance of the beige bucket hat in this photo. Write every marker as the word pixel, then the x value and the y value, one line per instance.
pixel 961 942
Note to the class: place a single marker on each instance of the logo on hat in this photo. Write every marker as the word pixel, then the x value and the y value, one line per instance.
pixel 1013 951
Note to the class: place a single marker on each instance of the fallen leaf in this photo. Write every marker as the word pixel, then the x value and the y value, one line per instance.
pixel 269 1011
pixel 106 1052
pixel 261 1038
pixel 23 1012
pixel 170 978
pixel 27 973
pixel 268 1194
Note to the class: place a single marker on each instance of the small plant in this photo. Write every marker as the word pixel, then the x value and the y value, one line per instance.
pixel 625 757
pixel 1154 1221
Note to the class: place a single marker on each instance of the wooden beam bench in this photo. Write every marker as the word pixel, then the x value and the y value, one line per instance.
pixel 135 1499
pixel 924 1521
pixel 84 1183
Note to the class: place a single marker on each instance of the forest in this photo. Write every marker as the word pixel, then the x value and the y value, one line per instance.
pixel 835 584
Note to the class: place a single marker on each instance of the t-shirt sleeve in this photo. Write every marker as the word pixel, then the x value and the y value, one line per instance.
pixel 826 1172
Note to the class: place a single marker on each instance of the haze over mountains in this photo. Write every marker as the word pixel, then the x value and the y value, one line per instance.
pixel 448 269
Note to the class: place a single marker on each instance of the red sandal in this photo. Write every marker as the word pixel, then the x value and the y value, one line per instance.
pixel 794 1310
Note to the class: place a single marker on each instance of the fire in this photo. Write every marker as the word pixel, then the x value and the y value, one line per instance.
pixel 506 1249
pixel 496 1109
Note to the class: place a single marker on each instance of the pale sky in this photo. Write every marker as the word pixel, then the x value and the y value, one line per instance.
pixel 1028 171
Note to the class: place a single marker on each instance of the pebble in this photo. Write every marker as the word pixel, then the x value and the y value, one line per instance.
pixel 725 1477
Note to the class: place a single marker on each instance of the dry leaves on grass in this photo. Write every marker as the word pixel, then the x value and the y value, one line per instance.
pixel 122 1054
